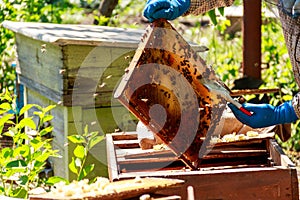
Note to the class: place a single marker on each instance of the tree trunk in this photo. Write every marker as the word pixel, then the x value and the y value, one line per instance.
pixel 106 8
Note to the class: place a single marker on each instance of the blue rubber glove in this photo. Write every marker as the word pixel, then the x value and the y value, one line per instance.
pixel 167 9
pixel 265 115
pixel 291 7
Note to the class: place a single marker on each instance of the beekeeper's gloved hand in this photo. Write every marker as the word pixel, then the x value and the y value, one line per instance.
pixel 265 115
pixel 167 9
pixel 291 7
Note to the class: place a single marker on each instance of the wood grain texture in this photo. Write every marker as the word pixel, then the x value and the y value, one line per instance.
pixel 277 180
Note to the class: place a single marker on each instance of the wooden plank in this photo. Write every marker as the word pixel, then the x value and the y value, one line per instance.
pixel 236 154
pixel 111 158
pixel 80 34
pixel 40 62
pixel 253 91
pixel 230 184
pixel 252 38
pixel 294 184
pixel 96 56
pixel 278 156
pixel 150 154
pixel 125 136
pixel 41 89
pixel 60 165
pixel 108 119
pixel 123 161
pixel 103 99
pixel 250 185
pixel 127 144
pixel 63 34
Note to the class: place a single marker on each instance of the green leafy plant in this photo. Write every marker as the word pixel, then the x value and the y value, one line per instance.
pixel 21 164
pixel 25 11
pixel 84 143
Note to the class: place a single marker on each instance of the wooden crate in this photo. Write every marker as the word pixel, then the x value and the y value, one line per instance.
pixel 77 68
pixel 253 171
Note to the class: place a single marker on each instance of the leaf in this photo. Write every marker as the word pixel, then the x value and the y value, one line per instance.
pixel 23 150
pixel 76 139
pixel 86 130
pixel 23 180
pixel 6 96
pixel 287 97
pixel 88 169
pixel 72 166
pixel 2 190
pixel 56 179
pixel 213 17
pixel 16 163
pixel 6 119
pixel 39 164
pixel 40 108
pixel 48 108
pixel 5 106
pixel 80 176
pixel 6 152
pixel 42 157
pixel 93 134
pixel 11 132
pixel 28 122
pixel 25 108
pixel 47 118
pixel 36 143
pixel 20 193
pixel 79 151
pixel 95 140
pixel 221 10
pixel 39 114
pixel 46 130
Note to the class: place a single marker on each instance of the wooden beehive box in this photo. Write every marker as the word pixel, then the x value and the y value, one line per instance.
pixel 253 170
pixel 76 67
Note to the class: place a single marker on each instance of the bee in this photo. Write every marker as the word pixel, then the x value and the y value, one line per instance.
pixel 43 48
pixel 102 85
pixel 62 71
pixel 109 76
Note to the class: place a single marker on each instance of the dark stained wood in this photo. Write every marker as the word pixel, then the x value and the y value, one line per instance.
pixel 252 38
pixel 236 184
pixel 127 144
pixel 164 88
pixel 253 91
pixel 124 136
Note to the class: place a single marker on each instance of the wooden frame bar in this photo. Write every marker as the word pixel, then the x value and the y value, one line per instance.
pixel 277 180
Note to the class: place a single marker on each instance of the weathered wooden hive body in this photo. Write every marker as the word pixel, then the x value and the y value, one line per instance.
pixel 75 67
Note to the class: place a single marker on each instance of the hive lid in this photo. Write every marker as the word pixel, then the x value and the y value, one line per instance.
pixel 163 88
